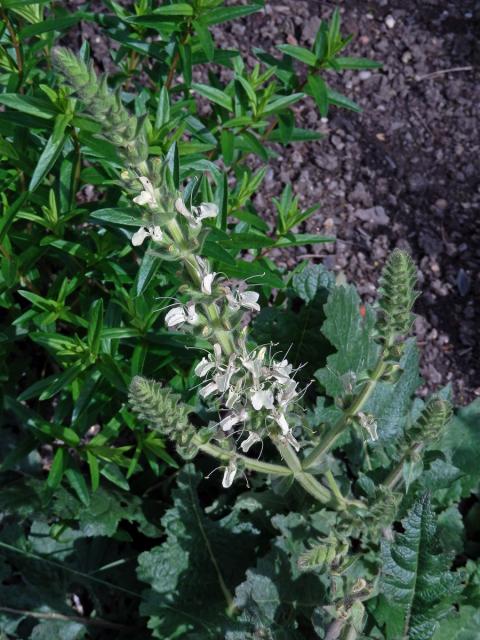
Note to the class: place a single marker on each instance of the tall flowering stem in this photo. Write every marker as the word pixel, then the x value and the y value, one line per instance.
pixel 256 394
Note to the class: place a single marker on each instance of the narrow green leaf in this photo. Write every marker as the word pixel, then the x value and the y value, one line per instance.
pixel 95 326
pixel 94 470
pixel 277 104
pixel 57 24
pixel 163 109
pixel 122 216
pixel 227 143
pixel 224 14
pixel 56 470
pixel 214 95
pixel 357 63
pixel 299 53
pixel 27 104
pixel 78 484
pixel 205 38
pixel 318 90
pixel 339 100
pixel 51 152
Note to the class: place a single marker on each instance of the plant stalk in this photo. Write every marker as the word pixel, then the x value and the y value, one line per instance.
pixel 342 423
pixel 306 480
pixel 249 463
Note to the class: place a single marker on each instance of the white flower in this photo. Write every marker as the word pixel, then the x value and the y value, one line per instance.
pixel 207 282
pixel 287 393
pixel 180 314
pixel 229 474
pixel 234 395
pixel 147 196
pixel 192 315
pixel 262 399
pixel 282 370
pixel 153 232
pixel 197 214
pixel 232 419
pixel 247 300
pixel 225 375
pixel 175 316
pixel 290 438
pixel 280 419
pixel 203 367
pixel 252 439
pixel 208 389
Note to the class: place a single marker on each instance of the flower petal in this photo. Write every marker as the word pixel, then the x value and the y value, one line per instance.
pixel 208 389
pixel 139 236
pixel 207 210
pixel 262 399
pixel 203 367
pixel 229 474
pixel 175 316
pixel 248 300
pixel 207 282
pixel 252 439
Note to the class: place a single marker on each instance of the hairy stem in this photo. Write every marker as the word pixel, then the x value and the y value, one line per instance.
pixel 248 463
pixel 350 412
pixel 306 480
pixel 395 476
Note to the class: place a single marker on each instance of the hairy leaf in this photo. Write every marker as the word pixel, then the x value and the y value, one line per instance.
pixel 416 580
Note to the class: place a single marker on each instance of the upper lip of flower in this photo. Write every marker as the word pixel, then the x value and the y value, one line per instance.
pixel 143 232
pixel 148 195
pixel 197 214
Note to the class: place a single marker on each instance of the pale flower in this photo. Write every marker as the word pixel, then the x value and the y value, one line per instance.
pixel 175 316
pixel 229 474
pixel 232 419
pixel 280 419
pixel 282 370
pixel 247 300
pixel 197 214
pixel 368 422
pixel 207 282
pixel 208 389
pixel 252 439
pixel 262 399
pixel 180 314
pixel 290 438
pixel 203 367
pixel 223 378
pixel 147 196
pixel 153 232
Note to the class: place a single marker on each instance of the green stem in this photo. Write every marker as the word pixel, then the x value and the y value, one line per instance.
pixel 248 463
pixel 349 413
pixel 222 335
pixel 306 480
pixel 396 474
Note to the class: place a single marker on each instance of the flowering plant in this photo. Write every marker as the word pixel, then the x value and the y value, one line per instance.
pixel 323 501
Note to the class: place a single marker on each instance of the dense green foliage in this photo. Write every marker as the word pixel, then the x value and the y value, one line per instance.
pixel 106 530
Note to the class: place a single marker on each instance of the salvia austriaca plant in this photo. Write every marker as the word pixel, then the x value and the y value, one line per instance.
pixel 253 388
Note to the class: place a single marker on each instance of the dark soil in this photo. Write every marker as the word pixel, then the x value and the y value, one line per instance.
pixel 401 174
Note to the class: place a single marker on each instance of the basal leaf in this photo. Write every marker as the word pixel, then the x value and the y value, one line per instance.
pixel 416 580
pixel 191 571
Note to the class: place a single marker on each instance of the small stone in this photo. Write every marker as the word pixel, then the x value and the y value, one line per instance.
pixel 407 56
pixel 390 21
pixel 365 75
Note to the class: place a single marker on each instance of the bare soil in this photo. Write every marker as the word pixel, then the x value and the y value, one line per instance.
pixel 404 173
